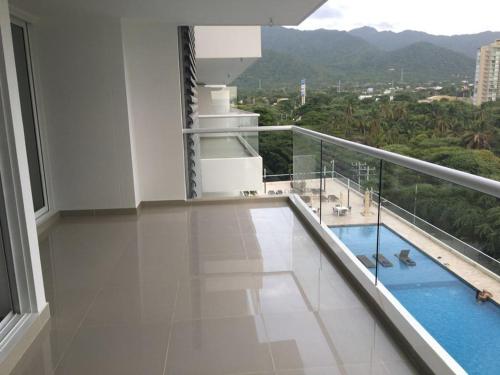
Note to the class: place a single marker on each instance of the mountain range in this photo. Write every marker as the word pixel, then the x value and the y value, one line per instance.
pixel 361 56
pixel 389 40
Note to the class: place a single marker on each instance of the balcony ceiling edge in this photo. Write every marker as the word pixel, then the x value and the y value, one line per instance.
pixel 182 12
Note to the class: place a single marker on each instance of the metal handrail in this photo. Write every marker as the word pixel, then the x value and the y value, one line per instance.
pixel 471 181
pixel 232 114
pixel 243 129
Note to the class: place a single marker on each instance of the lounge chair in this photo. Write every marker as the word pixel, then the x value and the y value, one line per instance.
pixel 279 192
pixel 271 192
pixel 383 260
pixel 403 256
pixel 332 198
pixel 366 261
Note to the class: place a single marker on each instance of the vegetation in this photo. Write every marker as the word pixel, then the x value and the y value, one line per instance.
pixel 455 134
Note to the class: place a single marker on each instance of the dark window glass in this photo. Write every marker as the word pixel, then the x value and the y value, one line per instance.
pixel 28 114
pixel 6 301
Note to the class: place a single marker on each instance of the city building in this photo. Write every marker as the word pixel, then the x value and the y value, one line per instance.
pixel 487 80
pixel 139 234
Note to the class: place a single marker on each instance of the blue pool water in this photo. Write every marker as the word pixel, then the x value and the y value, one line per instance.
pixel 442 302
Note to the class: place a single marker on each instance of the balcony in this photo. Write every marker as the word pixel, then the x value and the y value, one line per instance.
pixel 377 212
pixel 312 280
pixel 226 288
pixel 184 239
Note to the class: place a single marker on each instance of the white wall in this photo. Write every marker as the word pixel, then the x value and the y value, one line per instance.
pixel 225 42
pixel 155 110
pixel 82 91
pixel 214 100
pixel 224 52
pixel 232 175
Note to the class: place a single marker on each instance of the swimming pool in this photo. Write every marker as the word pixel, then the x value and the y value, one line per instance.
pixel 442 302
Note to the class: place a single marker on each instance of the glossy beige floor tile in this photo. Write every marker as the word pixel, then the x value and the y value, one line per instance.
pixel 39 359
pixel 281 294
pixel 218 297
pixel 218 347
pixel 141 304
pixel 298 341
pixel 230 288
pixel 110 350
pixel 213 243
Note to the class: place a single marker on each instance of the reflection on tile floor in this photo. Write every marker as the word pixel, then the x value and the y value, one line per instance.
pixel 203 289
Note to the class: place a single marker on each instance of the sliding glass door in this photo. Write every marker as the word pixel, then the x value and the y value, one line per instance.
pixel 8 302
pixel 29 114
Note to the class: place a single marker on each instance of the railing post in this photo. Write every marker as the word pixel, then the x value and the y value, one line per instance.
pixel 320 178
pixel 378 219
pixel 265 191
pixel 348 192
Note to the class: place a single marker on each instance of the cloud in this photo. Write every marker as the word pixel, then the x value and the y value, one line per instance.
pixel 383 26
pixel 399 15
pixel 327 11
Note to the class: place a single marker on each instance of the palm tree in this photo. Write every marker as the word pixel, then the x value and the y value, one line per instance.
pixel 477 140
pixel 481 132
pixel 348 117
pixel 375 135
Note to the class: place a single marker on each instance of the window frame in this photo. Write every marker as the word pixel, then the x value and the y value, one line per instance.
pixel 17 231
pixel 25 25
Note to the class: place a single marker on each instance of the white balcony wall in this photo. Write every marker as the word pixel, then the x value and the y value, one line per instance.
pixel 80 73
pixel 110 103
pixel 232 175
pixel 155 111
pixel 225 42
pixel 224 52
pixel 214 100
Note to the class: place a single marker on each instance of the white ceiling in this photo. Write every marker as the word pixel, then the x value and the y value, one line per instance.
pixel 184 12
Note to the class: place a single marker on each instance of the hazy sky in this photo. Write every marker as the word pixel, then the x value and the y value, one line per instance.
pixel 433 16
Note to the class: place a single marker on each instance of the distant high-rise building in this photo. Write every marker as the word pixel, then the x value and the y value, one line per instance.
pixel 302 91
pixel 487 81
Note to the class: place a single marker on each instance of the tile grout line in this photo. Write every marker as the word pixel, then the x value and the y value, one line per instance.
pixel 241 234
pixel 80 324
pixel 171 328
pixel 268 343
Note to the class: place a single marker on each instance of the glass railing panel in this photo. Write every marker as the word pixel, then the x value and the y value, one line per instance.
pixel 460 219
pixel 307 173
pixel 442 243
pixel 276 149
pixel 231 165
pixel 233 119
pixel 350 209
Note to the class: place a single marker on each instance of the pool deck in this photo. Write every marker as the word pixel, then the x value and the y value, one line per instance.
pixel 473 274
